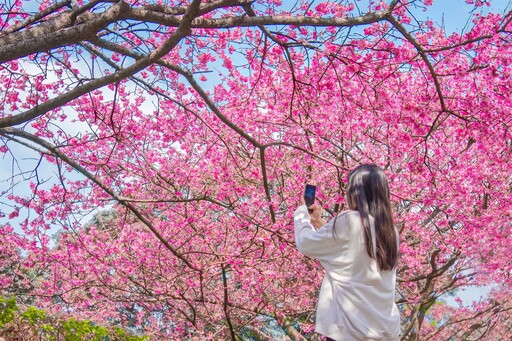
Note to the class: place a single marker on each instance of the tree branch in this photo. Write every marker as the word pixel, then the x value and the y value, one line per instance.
pixel 64 98
pixel 60 155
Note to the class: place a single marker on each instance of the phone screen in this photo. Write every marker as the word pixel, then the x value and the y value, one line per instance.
pixel 309 195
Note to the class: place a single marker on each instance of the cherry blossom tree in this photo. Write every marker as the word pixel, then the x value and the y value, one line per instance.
pixel 192 128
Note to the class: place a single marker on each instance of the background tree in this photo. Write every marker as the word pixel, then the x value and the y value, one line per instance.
pixel 198 123
pixel 30 323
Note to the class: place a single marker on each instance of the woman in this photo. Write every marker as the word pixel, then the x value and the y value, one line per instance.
pixel 359 251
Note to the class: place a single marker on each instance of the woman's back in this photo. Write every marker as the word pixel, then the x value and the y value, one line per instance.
pixel 359 251
pixel 356 300
pixel 351 259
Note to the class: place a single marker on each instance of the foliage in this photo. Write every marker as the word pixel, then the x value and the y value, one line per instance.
pixel 195 125
pixel 8 308
pixel 32 322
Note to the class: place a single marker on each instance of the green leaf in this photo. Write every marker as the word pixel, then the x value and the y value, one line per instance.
pixel 33 315
pixel 7 309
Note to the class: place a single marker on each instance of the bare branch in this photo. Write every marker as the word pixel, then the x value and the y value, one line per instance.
pixel 62 30
pixel 36 17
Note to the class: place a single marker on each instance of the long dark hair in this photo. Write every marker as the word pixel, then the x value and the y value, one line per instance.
pixel 368 193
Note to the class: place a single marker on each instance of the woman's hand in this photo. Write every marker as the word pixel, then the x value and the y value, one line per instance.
pixel 316 212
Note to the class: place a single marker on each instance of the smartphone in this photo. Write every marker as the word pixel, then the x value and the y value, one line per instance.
pixel 309 195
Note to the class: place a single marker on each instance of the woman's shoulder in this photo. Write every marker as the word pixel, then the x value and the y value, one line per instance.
pixel 352 214
pixel 348 214
pixel 347 224
pixel 348 217
pixel 351 218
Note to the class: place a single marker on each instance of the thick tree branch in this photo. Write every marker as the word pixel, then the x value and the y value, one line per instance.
pixel 35 18
pixel 62 30
pixel 64 98
pixel 69 28
pixel 226 302
pixel 245 21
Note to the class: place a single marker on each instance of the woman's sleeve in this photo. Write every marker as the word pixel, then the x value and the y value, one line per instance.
pixel 319 243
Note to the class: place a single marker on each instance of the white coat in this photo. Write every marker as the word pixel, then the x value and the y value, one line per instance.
pixel 356 300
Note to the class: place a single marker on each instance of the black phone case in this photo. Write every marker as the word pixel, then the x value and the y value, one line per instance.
pixel 309 195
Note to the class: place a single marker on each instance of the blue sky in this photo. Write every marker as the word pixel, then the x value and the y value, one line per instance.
pixel 453 14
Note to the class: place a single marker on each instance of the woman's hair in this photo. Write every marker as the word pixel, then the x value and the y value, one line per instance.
pixel 368 193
